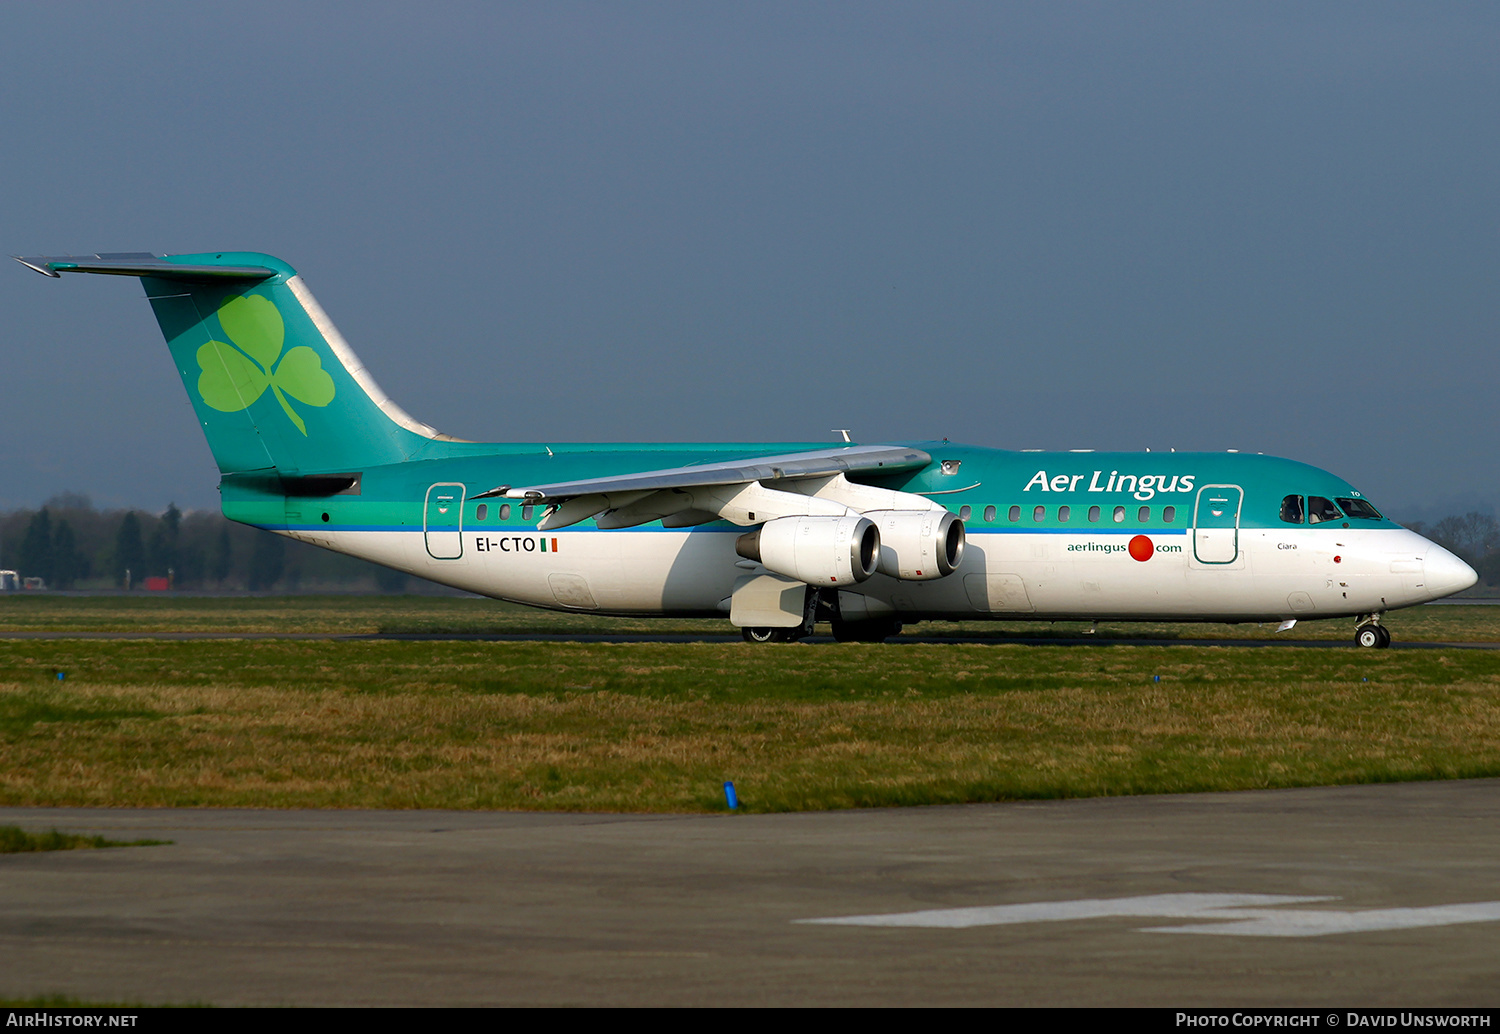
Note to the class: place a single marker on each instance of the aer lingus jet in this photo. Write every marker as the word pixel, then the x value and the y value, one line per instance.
pixel 774 537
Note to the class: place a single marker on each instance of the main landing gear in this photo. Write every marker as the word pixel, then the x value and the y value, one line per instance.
pixel 789 634
pixel 772 635
pixel 824 606
pixel 877 631
pixel 1370 634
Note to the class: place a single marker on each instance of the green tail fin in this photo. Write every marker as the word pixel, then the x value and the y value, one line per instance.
pixel 273 384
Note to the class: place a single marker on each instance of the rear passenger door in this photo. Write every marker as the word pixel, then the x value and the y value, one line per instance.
pixel 442 521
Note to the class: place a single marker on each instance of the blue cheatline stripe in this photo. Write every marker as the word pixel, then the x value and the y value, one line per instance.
pixel 573 529
pixel 494 529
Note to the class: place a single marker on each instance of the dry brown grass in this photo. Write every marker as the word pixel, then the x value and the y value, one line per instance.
pixel 639 727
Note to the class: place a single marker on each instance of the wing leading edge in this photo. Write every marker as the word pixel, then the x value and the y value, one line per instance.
pixel 855 459
pixel 738 490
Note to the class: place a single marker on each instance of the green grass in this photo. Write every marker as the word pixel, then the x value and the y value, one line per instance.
pixel 60 1001
pixel 659 727
pixel 15 840
pixel 331 615
pixel 1443 623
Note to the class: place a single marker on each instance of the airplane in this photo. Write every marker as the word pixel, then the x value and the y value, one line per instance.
pixel 774 537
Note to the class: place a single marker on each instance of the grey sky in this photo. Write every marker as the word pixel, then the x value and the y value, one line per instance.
pixel 1270 227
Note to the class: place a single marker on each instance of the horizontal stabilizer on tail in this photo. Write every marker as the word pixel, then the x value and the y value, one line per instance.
pixel 140 263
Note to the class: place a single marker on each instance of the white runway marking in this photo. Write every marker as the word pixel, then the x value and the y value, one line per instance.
pixel 1307 923
pixel 1233 914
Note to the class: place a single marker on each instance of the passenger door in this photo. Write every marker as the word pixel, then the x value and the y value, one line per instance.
pixel 1216 524
pixel 443 521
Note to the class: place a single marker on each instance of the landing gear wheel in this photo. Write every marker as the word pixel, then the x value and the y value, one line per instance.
pixel 1372 637
pixel 771 635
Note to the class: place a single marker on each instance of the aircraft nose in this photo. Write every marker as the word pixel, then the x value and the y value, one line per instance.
pixel 1444 574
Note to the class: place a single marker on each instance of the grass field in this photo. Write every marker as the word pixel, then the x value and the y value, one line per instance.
pixel 660 727
pixel 15 840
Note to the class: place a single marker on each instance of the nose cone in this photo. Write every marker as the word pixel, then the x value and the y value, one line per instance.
pixel 1443 574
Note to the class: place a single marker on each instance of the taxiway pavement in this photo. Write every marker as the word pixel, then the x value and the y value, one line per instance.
pixel 461 908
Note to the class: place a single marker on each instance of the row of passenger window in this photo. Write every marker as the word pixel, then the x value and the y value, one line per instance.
pixel 1316 510
pixel 1065 514
pixel 482 511
pixel 1038 514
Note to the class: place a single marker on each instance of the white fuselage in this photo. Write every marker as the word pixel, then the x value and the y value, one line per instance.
pixel 1275 573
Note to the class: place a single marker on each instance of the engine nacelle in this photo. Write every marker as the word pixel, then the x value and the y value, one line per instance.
pixel 815 550
pixel 919 545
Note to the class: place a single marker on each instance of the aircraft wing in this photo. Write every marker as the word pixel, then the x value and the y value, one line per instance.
pixel 853 459
pixel 684 496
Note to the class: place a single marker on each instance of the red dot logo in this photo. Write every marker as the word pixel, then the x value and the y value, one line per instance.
pixel 1141 548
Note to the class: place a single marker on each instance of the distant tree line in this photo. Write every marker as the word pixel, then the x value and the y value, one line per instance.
pixel 71 545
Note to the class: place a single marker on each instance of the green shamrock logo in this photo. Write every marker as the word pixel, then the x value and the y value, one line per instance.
pixel 235 375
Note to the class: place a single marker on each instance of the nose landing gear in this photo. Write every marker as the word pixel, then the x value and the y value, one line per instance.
pixel 1370 634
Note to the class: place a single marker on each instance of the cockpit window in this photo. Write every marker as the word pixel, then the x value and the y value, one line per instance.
pixel 1291 509
pixel 1320 510
pixel 1361 509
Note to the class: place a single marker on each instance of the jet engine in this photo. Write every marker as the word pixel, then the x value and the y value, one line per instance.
pixel 919 545
pixel 815 550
